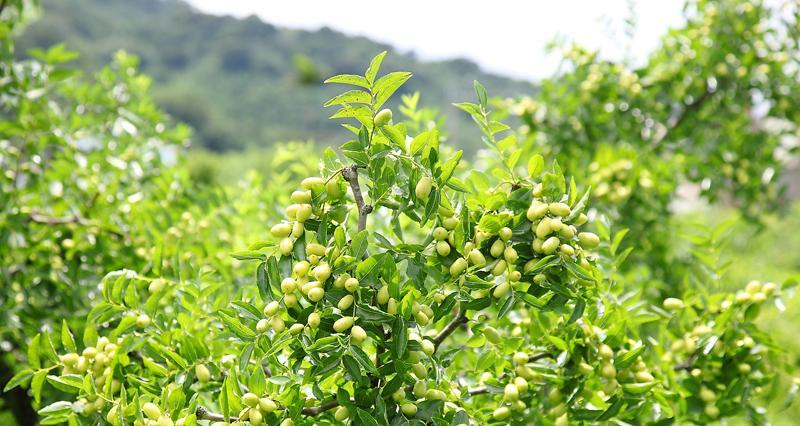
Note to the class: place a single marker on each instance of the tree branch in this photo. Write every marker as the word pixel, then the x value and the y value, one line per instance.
pixel 203 414
pixel 675 121
pixel 350 174
pixel 461 318
pixel 43 219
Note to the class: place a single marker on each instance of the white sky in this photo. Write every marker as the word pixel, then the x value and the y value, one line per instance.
pixel 503 36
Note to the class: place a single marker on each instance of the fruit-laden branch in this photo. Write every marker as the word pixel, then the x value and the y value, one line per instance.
pixel 350 174
pixel 461 318
pixel 532 358
pixel 203 414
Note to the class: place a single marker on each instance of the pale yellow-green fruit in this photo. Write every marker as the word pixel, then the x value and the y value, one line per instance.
pixel 277 324
pixel 301 268
pixel 435 395
pixel 537 210
pixel 510 393
pixel 581 219
pixel 643 377
pixel 296 328
pixel 358 334
pixel 156 285
pixel 501 413
pixel 202 372
pixel 521 384
pixel 608 371
pixel 316 249
pixel 301 197
pixel 423 188
pixel 143 320
pixel 514 276
pixel 491 334
pixel 443 248
pixel 520 358
pixel 341 414
pixel 313 320
pixel 322 272
pixel 409 409
pixel 501 290
pixel 476 258
pixel 421 318
pixel 250 399
pixel 391 306
pixel 605 352
pixel 256 418
pixel 428 347
pixel 334 189
pixel 164 420
pixel 399 395
pixel 281 230
pixel 351 284
pixel 559 209
pixel 304 212
pixel 672 304
pixel 291 211
pixel 588 239
pixel 287 422
pixel 288 285
pixel 316 294
pixel 271 308
pixel 450 223
pixel 311 182
pixel 440 233
pixel 458 267
pixel 345 302
pixel 383 295
pixel 543 228
pixel 505 233
pixel 151 411
pixel 383 117
pixel 550 245
pixel 343 324
pixel 262 325
pixel 290 300
pixel 566 249
pixel 420 389
pixel 111 416
pixel 497 248
pixel 420 371
pixel 707 395
pixel 712 411
pixel 499 268
pixel 285 246
pixel 510 254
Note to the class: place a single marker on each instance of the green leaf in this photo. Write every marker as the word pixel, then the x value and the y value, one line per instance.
pixel 66 337
pixel 350 97
pixel 37 383
pixel 628 358
pixel 56 408
pixel 18 379
pixel 351 79
pixel 235 326
pixel 399 337
pixel 480 91
pixel 370 314
pixel 262 282
pixel 362 358
pixel 33 352
pixel 387 85
pixel 374 67
pixel 258 381
pixel 366 418
pixel 535 165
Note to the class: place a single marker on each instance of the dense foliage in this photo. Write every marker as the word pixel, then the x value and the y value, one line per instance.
pixel 403 283
pixel 715 106
pixel 241 83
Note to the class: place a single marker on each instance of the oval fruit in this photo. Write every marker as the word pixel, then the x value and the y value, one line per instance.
pixel 424 187
pixel 342 324
pixel 383 117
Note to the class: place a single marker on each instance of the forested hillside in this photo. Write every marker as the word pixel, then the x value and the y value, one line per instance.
pixel 242 83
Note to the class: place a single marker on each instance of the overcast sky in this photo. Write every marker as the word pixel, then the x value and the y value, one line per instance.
pixel 503 36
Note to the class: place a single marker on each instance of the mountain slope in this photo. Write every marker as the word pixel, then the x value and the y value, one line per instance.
pixel 245 82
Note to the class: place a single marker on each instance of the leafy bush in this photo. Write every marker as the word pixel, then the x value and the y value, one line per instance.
pixel 423 298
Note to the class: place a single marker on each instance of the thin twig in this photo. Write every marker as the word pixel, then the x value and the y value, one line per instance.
pixel 675 121
pixel 350 174
pixel 461 318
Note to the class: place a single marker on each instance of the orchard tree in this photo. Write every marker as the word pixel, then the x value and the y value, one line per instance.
pixel 715 105
pixel 394 292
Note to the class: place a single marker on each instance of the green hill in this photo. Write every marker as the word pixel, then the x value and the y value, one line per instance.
pixel 243 82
